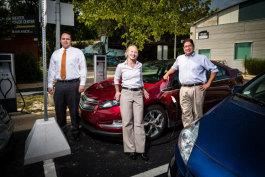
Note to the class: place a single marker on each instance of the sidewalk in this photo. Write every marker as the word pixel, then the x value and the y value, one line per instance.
pixel 248 77
pixel 38 86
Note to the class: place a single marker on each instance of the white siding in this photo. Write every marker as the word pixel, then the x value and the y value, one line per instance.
pixel 222 39
pixel 228 16
pixel 208 22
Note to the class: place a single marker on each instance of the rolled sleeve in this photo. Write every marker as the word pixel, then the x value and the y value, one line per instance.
pixel 117 75
pixel 209 66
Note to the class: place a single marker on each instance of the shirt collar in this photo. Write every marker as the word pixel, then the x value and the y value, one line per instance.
pixel 193 53
pixel 125 62
pixel 66 48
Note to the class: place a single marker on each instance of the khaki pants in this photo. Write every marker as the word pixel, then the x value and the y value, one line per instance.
pixel 191 102
pixel 132 107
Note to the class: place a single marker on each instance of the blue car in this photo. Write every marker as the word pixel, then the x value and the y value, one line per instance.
pixel 228 140
pixel 112 61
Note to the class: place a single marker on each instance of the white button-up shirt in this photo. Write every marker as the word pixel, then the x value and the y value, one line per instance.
pixel 75 66
pixel 131 77
pixel 192 69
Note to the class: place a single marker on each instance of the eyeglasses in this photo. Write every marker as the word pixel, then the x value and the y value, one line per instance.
pixel 187 46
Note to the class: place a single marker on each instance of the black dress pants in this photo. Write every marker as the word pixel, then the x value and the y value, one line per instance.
pixel 66 94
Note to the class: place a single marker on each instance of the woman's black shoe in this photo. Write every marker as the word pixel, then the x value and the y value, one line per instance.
pixel 144 157
pixel 132 155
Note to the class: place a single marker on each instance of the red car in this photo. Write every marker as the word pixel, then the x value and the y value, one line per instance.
pixel 100 113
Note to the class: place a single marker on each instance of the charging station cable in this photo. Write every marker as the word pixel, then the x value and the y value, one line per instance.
pixel 8 90
pixel 171 137
pixel 24 104
pixel 4 103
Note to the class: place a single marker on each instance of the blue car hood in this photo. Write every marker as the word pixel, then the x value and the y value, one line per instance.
pixel 232 133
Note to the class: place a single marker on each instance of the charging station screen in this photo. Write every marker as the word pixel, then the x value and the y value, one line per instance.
pixel 100 68
pixel 5 57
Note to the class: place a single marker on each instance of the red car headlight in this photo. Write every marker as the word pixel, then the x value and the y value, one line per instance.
pixel 109 103
pixel 87 104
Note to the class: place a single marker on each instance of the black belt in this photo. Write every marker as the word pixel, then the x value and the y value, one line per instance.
pixel 191 85
pixel 66 81
pixel 132 89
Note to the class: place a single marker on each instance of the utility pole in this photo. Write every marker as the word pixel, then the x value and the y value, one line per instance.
pixel 57 22
pixel 175 46
pixel 44 23
pixel 175 43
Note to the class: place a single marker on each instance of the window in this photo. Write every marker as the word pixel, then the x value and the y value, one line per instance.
pixel 251 10
pixel 205 52
pixel 221 75
pixel 154 71
pixel 243 50
pixel 174 83
pixel 255 91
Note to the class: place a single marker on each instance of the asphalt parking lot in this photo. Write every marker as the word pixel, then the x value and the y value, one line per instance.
pixel 93 156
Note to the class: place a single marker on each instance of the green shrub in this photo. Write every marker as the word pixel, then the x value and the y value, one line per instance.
pixel 27 68
pixel 254 65
pixel 82 44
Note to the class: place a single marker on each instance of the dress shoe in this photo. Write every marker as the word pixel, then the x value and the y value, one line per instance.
pixel 144 157
pixel 76 137
pixel 132 155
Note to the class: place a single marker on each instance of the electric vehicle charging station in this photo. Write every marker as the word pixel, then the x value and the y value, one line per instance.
pixel 100 68
pixel 7 82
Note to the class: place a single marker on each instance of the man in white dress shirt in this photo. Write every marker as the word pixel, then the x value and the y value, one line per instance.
pixel 68 68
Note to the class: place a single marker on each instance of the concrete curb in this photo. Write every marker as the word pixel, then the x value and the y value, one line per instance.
pixel 26 121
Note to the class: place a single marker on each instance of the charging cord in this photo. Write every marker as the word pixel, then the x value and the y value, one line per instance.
pixel 171 137
pixel 4 103
pixel 11 85
pixel 4 95
pixel 24 104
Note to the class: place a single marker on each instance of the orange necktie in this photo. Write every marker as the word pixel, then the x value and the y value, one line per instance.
pixel 63 73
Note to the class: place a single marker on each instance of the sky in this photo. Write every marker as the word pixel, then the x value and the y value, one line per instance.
pixel 221 4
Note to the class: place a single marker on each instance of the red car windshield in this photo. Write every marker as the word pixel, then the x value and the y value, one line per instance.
pixel 154 71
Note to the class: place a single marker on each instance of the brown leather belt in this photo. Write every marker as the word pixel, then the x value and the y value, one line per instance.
pixel 191 85
pixel 132 89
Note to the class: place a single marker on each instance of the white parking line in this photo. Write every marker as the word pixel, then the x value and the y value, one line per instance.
pixel 153 172
pixel 49 168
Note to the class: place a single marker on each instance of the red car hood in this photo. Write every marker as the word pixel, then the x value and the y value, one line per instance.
pixel 104 90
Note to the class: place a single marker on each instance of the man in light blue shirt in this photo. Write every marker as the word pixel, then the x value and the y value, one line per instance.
pixel 192 76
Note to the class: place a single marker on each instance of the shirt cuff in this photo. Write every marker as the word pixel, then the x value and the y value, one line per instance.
pixel 82 82
pixel 215 71
pixel 50 85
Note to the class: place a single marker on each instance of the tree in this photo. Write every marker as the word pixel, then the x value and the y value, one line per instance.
pixel 143 20
pixel 6 25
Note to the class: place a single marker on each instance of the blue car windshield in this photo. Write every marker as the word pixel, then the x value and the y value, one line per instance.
pixel 154 71
pixel 255 91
